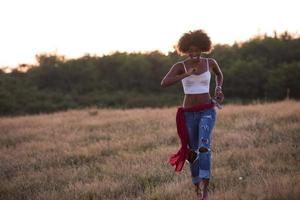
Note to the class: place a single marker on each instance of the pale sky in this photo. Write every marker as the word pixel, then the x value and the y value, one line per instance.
pixel 75 27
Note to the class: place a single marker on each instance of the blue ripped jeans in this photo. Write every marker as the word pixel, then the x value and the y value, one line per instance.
pixel 200 125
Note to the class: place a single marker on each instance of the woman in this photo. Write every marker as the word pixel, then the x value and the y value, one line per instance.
pixel 195 119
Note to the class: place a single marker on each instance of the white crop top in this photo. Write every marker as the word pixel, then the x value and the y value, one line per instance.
pixel 196 84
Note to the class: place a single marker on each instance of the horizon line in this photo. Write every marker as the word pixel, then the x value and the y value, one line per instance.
pixel 276 34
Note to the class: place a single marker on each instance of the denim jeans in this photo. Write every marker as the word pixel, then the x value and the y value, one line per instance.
pixel 200 125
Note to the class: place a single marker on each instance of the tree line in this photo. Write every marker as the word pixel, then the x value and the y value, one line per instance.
pixel 262 68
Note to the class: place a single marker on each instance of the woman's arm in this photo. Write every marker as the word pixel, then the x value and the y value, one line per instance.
pixel 219 79
pixel 175 74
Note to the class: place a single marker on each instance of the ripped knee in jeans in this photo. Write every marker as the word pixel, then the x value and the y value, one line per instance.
pixel 203 149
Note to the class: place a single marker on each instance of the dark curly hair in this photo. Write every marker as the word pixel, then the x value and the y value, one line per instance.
pixel 196 38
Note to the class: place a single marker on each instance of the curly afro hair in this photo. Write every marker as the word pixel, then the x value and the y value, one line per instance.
pixel 196 38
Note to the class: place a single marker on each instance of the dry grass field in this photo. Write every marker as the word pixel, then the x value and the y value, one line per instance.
pixel 122 154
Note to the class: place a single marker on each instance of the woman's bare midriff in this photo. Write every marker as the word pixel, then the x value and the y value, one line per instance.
pixel 191 100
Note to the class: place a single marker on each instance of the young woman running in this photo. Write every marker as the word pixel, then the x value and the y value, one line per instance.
pixel 196 118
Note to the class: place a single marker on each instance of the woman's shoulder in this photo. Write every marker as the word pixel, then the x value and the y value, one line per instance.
pixel 211 61
pixel 179 66
pixel 179 63
pixel 183 62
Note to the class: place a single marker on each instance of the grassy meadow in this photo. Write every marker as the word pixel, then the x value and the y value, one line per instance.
pixel 122 154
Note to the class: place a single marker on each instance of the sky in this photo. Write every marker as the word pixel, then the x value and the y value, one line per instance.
pixel 74 28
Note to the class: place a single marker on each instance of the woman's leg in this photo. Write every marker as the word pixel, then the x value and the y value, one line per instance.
pixel 192 122
pixel 199 127
pixel 201 188
pixel 205 186
pixel 206 125
pixel 198 189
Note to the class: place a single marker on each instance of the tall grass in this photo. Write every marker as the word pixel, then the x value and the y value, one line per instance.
pixel 122 154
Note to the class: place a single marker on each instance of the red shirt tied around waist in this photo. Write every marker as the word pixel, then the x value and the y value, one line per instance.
pixel 179 158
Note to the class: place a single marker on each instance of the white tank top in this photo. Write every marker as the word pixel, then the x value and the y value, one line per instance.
pixel 196 84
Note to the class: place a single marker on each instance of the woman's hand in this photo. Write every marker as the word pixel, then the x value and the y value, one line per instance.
pixel 219 94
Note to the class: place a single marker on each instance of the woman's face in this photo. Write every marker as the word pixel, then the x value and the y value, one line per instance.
pixel 194 53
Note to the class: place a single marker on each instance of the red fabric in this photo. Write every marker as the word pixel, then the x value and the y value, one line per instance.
pixel 179 158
